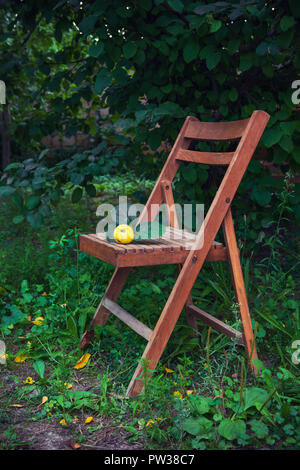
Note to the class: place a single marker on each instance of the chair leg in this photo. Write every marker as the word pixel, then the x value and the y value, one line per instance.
pixel 239 287
pixel 162 332
pixel 101 316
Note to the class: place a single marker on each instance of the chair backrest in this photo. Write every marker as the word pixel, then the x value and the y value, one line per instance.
pixel 249 131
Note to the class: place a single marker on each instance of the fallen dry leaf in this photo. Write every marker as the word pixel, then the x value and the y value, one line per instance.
pixel 74 445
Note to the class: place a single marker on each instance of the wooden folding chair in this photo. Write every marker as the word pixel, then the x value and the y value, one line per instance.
pixel 189 252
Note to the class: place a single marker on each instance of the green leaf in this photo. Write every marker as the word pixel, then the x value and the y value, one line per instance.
pixel 72 327
pixel 260 429
pixel 176 5
pixel 88 23
pixel 191 51
pixel 231 429
pixel 286 23
pixel 286 143
pixel 76 178
pixel 199 404
pixel 246 62
pixel 91 190
pixel 35 219
pixel 39 367
pixel 76 195
pixel 261 196
pixel 96 49
pixel 18 219
pixel 233 94
pixel 189 174
pixel 254 397
pixel 212 60
pixel 32 202
pixel 197 426
pixel 215 26
pixel 129 50
pixel 272 136
pixel 6 190
pixel 103 80
pixel 268 70
pixel 12 166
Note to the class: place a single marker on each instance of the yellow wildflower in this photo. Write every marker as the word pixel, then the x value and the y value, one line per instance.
pixel 82 361
pixel 150 422
pixel 169 371
pixel 63 422
pixel 89 419
pixel 21 358
pixel 38 321
pixel 44 294
pixel 189 392
pixel 177 394
pixel 29 381
pixel 67 385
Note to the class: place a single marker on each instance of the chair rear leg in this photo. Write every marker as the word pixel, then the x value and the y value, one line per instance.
pixel 239 287
pixel 101 316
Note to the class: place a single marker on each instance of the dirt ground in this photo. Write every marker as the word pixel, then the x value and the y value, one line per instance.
pixel 18 430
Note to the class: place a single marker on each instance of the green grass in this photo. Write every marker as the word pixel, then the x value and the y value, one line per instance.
pixel 209 400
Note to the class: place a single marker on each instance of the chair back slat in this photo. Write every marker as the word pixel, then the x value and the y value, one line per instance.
pixel 215 130
pixel 208 158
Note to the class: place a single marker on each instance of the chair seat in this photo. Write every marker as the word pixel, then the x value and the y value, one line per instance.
pixel 172 248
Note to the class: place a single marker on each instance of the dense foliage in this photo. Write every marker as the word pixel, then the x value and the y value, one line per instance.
pixel 152 63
